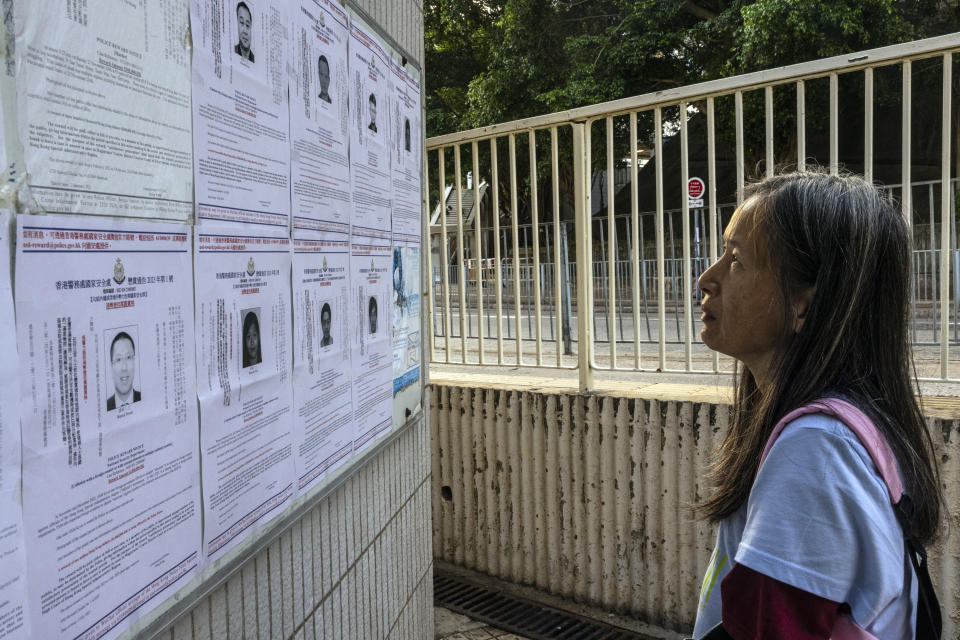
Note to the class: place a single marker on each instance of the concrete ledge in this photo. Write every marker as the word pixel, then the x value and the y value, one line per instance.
pixel 939 400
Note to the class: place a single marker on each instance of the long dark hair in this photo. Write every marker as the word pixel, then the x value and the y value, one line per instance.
pixel 841 236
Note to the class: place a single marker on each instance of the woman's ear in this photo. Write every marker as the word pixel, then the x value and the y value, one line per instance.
pixel 801 302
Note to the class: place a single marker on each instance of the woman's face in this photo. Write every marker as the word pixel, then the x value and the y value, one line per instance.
pixel 743 305
pixel 252 341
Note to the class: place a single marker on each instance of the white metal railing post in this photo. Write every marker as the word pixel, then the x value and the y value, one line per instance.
pixel 685 225
pixel 477 245
pixel 906 195
pixel 635 233
pixel 426 244
pixel 587 230
pixel 557 264
pixel 834 124
pixel 946 217
pixel 444 258
pixel 868 124
pixel 801 126
pixel 581 186
pixel 661 267
pixel 535 237
pixel 461 259
pixel 516 247
pixel 738 116
pixel 611 249
pixel 768 128
pixel 495 186
pixel 712 196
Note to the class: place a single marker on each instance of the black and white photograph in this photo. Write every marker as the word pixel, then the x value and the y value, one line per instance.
pixel 323 78
pixel 372 315
pixel 244 32
pixel 326 317
pixel 123 380
pixel 250 337
pixel 372 107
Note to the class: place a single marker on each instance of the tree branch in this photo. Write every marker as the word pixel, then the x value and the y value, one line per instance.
pixel 701 12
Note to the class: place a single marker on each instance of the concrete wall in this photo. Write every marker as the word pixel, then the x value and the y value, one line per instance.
pixel 585 497
pixel 402 19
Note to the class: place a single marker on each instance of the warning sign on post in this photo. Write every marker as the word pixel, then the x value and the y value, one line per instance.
pixel 695 190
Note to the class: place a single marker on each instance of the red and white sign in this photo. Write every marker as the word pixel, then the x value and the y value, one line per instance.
pixel 695 189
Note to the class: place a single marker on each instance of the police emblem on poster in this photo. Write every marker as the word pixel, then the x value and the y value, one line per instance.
pixel 119 273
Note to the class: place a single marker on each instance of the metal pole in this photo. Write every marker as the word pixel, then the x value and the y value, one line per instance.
pixel 495 185
pixel 584 303
pixel 558 266
pixel 906 194
pixel 444 259
pixel 516 248
pixel 834 125
pixel 461 257
pixel 568 305
pixel 685 231
pixel 478 245
pixel 427 243
pixel 635 239
pixel 612 253
pixel 535 232
pixel 946 219
pixel 801 126
pixel 661 271
pixel 868 124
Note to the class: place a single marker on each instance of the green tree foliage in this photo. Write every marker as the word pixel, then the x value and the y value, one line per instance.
pixel 489 61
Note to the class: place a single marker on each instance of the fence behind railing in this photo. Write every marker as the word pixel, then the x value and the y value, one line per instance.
pixel 508 277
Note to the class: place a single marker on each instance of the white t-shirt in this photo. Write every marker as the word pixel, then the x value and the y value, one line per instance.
pixel 819 518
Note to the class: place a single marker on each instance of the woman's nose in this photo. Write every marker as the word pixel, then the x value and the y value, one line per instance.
pixel 706 281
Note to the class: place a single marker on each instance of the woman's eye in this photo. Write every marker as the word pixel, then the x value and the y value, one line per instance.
pixel 734 258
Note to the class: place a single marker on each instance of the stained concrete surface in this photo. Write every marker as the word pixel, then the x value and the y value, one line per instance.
pixel 453 626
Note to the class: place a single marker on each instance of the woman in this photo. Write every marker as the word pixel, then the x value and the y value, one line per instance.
pixel 251 340
pixel 811 295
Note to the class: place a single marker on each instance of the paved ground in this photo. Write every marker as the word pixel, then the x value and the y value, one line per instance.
pixel 453 626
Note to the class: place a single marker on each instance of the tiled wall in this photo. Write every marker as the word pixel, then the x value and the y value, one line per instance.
pixel 357 566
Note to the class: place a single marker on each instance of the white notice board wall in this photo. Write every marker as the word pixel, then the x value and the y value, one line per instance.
pixel 321 197
pixel 104 106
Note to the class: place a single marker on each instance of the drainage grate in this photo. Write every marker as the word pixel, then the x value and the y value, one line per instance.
pixel 520 616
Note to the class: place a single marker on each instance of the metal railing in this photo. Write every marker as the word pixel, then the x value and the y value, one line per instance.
pixel 512 291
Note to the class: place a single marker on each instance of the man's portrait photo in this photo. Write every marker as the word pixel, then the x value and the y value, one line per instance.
pixel 406 134
pixel 251 338
pixel 123 362
pixel 244 31
pixel 325 317
pixel 373 113
pixel 323 71
pixel 372 314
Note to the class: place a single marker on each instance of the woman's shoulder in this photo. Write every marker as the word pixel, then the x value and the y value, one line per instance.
pixel 819 518
pixel 825 445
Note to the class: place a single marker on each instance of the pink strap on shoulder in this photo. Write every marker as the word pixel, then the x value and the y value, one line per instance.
pixel 862 426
